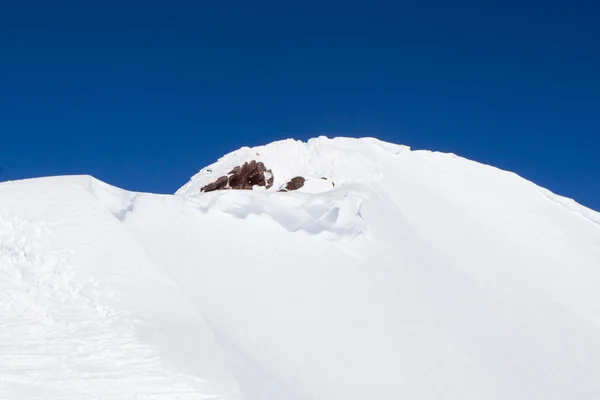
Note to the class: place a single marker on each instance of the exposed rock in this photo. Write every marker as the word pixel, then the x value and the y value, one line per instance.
pixel 243 177
pixel 295 183
pixel 219 184
pixel 248 175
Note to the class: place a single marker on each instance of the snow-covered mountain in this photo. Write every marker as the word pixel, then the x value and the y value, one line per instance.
pixel 354 269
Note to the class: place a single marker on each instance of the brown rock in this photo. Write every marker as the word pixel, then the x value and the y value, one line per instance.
pixel 295 183
pixel 243 177
pixel 248 175
pixel 219 184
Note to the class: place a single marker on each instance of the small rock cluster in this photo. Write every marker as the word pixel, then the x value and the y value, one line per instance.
pixel 250 174
pixel 243 177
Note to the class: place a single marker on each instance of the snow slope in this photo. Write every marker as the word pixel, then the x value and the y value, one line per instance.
pixel 403 274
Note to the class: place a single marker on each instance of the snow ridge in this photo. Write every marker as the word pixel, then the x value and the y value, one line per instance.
pixel 388 274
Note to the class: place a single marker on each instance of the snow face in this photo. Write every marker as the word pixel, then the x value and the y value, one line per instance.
pixel 418 275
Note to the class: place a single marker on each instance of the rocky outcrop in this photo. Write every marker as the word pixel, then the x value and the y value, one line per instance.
pixel 295 183
pixel 243 177
pixel 219 184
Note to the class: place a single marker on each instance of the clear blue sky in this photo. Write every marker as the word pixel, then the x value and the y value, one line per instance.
pixel 142 94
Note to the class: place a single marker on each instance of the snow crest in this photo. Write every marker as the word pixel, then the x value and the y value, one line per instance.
pixel 340 161
pixel 388 274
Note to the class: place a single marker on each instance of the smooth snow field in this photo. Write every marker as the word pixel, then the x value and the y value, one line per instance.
pixel 401 275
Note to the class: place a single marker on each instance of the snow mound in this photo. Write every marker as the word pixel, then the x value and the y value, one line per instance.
pixel 338 160
pixel 403 274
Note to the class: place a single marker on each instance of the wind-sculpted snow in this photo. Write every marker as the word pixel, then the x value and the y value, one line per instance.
pixel 388 274
pixel 572 206
pixel 119 202
pixel 334 215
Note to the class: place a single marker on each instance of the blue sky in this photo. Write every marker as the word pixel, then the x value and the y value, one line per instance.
pixel 144 94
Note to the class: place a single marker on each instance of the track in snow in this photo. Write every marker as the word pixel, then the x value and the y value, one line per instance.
pixel 59 332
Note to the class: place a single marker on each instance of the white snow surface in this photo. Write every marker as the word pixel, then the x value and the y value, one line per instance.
pixel 419 275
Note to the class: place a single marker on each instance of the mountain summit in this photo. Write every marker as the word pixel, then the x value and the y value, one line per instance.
pixel 332 269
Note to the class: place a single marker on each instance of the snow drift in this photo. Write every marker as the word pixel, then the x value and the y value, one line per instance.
pixel 388 274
